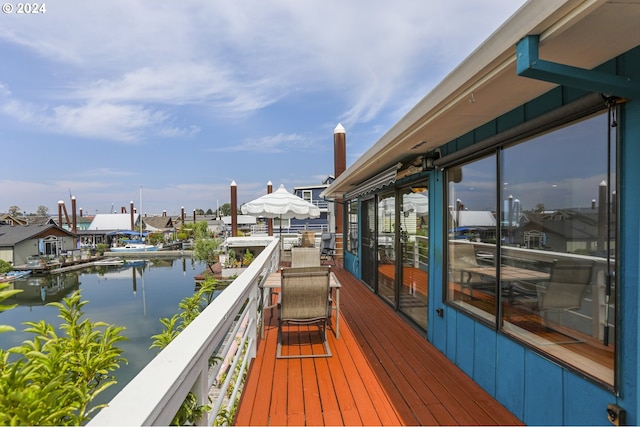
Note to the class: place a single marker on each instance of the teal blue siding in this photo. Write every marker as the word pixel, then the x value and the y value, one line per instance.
pixel 484 372
pixel 533 387
pixel 510 387
pixel 629 324
pixel 543 405
pixel 584 403
pixel 466 344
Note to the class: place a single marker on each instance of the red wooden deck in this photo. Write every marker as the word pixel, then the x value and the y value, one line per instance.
pixel 383 372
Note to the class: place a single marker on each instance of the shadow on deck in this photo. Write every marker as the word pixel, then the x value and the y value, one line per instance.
pixel 383 372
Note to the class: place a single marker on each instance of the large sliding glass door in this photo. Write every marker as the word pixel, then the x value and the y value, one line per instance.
pixel 387 247
pixel 368 231
pixel 414 251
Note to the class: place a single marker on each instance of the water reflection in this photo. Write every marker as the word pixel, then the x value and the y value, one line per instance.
pixel 135 295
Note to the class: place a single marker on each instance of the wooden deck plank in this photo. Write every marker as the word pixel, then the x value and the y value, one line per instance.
pixel 383 372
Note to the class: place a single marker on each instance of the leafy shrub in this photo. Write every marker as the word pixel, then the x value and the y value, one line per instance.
pixel 54 379
pixel 190 308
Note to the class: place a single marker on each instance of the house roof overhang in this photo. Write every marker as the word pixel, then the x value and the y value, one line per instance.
pixel 579 33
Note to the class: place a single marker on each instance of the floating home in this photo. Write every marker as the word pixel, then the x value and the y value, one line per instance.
pixel 500 215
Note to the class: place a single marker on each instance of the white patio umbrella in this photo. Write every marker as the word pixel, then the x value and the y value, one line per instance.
pixel 280 204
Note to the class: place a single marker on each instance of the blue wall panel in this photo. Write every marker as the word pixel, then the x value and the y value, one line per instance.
pixel 585 404
pixel 510 375
pixel 485 358
pixel 452 328
pixel 629 301
pixel 543 391
pixel 465 344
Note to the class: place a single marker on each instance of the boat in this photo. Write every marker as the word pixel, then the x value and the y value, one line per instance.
pixel 14 275
pixel 109 261
pixel 135 247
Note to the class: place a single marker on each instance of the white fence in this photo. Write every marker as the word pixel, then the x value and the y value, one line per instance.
pixel 154 396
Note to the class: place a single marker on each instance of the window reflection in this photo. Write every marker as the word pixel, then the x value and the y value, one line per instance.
pixel 414 240
pixel 386 246
pixel 556 222
pixel 472 236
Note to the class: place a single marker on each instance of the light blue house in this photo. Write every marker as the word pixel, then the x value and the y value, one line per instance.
pixel 539 130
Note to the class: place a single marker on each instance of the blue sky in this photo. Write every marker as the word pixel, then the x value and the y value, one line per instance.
pixel 99 99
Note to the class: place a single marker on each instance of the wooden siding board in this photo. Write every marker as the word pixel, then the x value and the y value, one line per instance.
pixel 575 389
pixel 548 394
pixel 510 388
pixel 465 339
pixel 485 358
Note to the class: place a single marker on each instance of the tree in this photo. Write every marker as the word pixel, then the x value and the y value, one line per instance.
pixel 225 210
pixel 209 212
pixel 206 250
pixel 14 210
pixel 42 210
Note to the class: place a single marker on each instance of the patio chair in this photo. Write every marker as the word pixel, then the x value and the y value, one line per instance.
pixel 305 257
pixel 566 289
pixel 305 300
pixel 328 247
pixel 463 256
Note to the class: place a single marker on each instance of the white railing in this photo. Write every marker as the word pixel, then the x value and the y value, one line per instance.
pixel 227 330
pixel 261 229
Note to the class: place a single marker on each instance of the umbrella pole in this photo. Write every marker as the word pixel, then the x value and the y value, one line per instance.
pixel 281 242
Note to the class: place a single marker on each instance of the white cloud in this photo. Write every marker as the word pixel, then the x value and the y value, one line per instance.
pixel 271 144
pixel 244 56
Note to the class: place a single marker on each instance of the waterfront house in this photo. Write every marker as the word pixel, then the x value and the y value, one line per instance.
pixel 20 242
pixel 311 193
pixel 546 112
pixel 105 227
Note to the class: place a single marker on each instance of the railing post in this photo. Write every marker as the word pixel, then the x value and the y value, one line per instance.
pixel 201 390
pixel 254 303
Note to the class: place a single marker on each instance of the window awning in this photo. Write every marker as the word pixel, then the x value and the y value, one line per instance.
pixel 384 178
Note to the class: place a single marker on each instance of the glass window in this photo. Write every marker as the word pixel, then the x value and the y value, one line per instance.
pixel 352 234
pixel 387 246
pixel 556 222
pixel 472 236
pixel 558 227
pixel 414 244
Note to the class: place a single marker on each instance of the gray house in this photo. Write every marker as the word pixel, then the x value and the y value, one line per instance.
pixel 18 243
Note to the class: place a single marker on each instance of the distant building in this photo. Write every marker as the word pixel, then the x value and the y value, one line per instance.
pixel 20 242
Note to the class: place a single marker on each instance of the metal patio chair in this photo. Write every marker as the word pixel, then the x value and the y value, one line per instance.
pixel 305 300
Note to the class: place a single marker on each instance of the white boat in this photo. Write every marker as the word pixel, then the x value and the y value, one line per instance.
pixel 135 247
pixel 14 275
pixel 109 261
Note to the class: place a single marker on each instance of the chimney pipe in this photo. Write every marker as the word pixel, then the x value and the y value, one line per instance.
pixel 194 216
pixel 182 214
pixel 74 220
pixel 80 212
pixel 164 212
pixel 234 209
pixel 269 220
pixel 60 204
pixel 133 224
pixel 339 166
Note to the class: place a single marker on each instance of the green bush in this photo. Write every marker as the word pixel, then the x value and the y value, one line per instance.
pixel 54 379
pixel 190 308
pixel 5 267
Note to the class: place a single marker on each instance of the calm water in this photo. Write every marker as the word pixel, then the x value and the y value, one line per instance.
pixel 135 295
